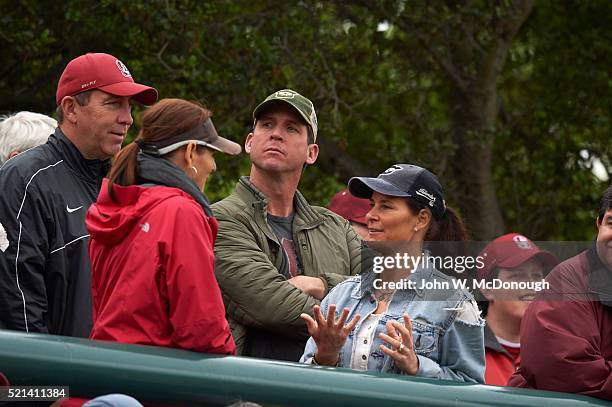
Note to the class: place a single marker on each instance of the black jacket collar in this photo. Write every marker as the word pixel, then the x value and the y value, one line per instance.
pixel 89 170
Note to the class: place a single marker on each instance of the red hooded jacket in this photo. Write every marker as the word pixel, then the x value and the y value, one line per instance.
pixel 152 271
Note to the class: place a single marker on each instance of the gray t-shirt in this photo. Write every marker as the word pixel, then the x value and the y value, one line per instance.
pixel 283 229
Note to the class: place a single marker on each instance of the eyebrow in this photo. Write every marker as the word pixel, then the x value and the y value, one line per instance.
pixel 290 121
pixel 382 200
pixel 108 97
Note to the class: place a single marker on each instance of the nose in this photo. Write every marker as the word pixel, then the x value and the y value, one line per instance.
pixel 276 134
pixel 125 113
pixel 371 216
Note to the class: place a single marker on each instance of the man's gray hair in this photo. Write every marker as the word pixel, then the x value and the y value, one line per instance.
pixel 22 131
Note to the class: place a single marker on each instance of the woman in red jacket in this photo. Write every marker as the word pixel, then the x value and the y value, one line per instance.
pixel 152 234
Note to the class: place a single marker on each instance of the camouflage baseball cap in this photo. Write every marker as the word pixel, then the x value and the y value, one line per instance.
pixel 303 105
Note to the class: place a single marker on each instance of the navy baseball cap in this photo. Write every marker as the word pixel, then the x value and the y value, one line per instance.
pixel 403 180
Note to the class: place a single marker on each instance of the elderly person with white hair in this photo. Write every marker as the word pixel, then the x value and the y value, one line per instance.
pixel 22 131
pixel 19 132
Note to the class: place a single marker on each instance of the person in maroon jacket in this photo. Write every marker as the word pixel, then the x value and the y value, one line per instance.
pixel 152 236
pixel 566 341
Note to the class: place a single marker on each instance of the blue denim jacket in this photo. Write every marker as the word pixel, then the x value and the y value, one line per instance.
pixel 447 328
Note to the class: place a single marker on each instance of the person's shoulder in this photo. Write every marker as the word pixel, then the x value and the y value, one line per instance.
pixel 440 275
pixel 33 171
pixel 456 289
pixel 570 273
pixel 30 162
pixel 577 265
pixel 345 287
pixel 229 206
pixel 173 200
pixel 330 217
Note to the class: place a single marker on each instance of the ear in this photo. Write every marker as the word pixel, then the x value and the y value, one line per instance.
pixel 423 219
pixel 248 143
pixel 488 294
pixel 313 153
pixel 69 107
pixel 598 223
pixel 190 154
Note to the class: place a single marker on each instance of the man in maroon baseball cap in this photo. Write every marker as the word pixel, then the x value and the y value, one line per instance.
pixel 47 190
pixel 103 72
pixel 509 258
pixel 94 97
pixel 352 209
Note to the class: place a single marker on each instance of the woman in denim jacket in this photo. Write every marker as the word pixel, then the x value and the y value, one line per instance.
pixel 395 324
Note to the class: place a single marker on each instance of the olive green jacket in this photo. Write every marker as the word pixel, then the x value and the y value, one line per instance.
pixel 248 257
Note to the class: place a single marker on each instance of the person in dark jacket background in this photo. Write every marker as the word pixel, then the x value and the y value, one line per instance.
pixel 152 236
pixel 566 340
pixel 46 191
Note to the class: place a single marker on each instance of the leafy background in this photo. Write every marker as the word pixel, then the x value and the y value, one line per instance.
pixel 509 102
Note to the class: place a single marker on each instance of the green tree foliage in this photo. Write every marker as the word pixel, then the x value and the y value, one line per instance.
pixel 499 98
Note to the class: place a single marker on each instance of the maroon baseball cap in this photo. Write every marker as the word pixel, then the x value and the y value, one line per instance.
pixel 103 72
pixel 510 251
pixel 350 207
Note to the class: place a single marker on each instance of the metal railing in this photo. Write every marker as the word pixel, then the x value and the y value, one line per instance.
pixel 170 376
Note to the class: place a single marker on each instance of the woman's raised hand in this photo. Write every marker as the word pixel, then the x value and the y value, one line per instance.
pixel 329 333
pixel 402 345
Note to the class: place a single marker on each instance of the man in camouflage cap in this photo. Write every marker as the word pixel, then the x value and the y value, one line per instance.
pixel 276 255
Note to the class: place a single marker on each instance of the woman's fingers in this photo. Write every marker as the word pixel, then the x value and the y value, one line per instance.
pixel 401 329
pixel 408 325
pixel 331 315
pixel 318 315
pixel 392 353
pixel 393 342
pixel 351 325
pixel 391 330
pixel 342 318
pixel 310 323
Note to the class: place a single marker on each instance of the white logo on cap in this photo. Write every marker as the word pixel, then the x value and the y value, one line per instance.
pixel 391 170
pixel 427 195
pixel 284 94
pixel 91 83
pixel 522 242
pixel 123 69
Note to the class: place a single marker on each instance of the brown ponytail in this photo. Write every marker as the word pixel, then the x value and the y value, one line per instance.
pixel 165 119
pixel 448 229
pixel 445 237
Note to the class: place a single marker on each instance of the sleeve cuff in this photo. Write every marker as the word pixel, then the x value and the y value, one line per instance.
pixel 325 284
pixel 427 367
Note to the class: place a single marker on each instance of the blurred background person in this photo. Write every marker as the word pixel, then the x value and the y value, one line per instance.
pixel 22 131
pixel 152 236
pixel 509 258
pixel 19 132
pixel 352 209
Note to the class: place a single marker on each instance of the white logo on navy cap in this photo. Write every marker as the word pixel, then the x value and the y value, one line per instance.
pixel 427 195
pixel 391 170
pixel 123 69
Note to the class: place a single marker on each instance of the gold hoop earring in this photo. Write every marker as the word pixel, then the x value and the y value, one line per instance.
pixel 194 170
